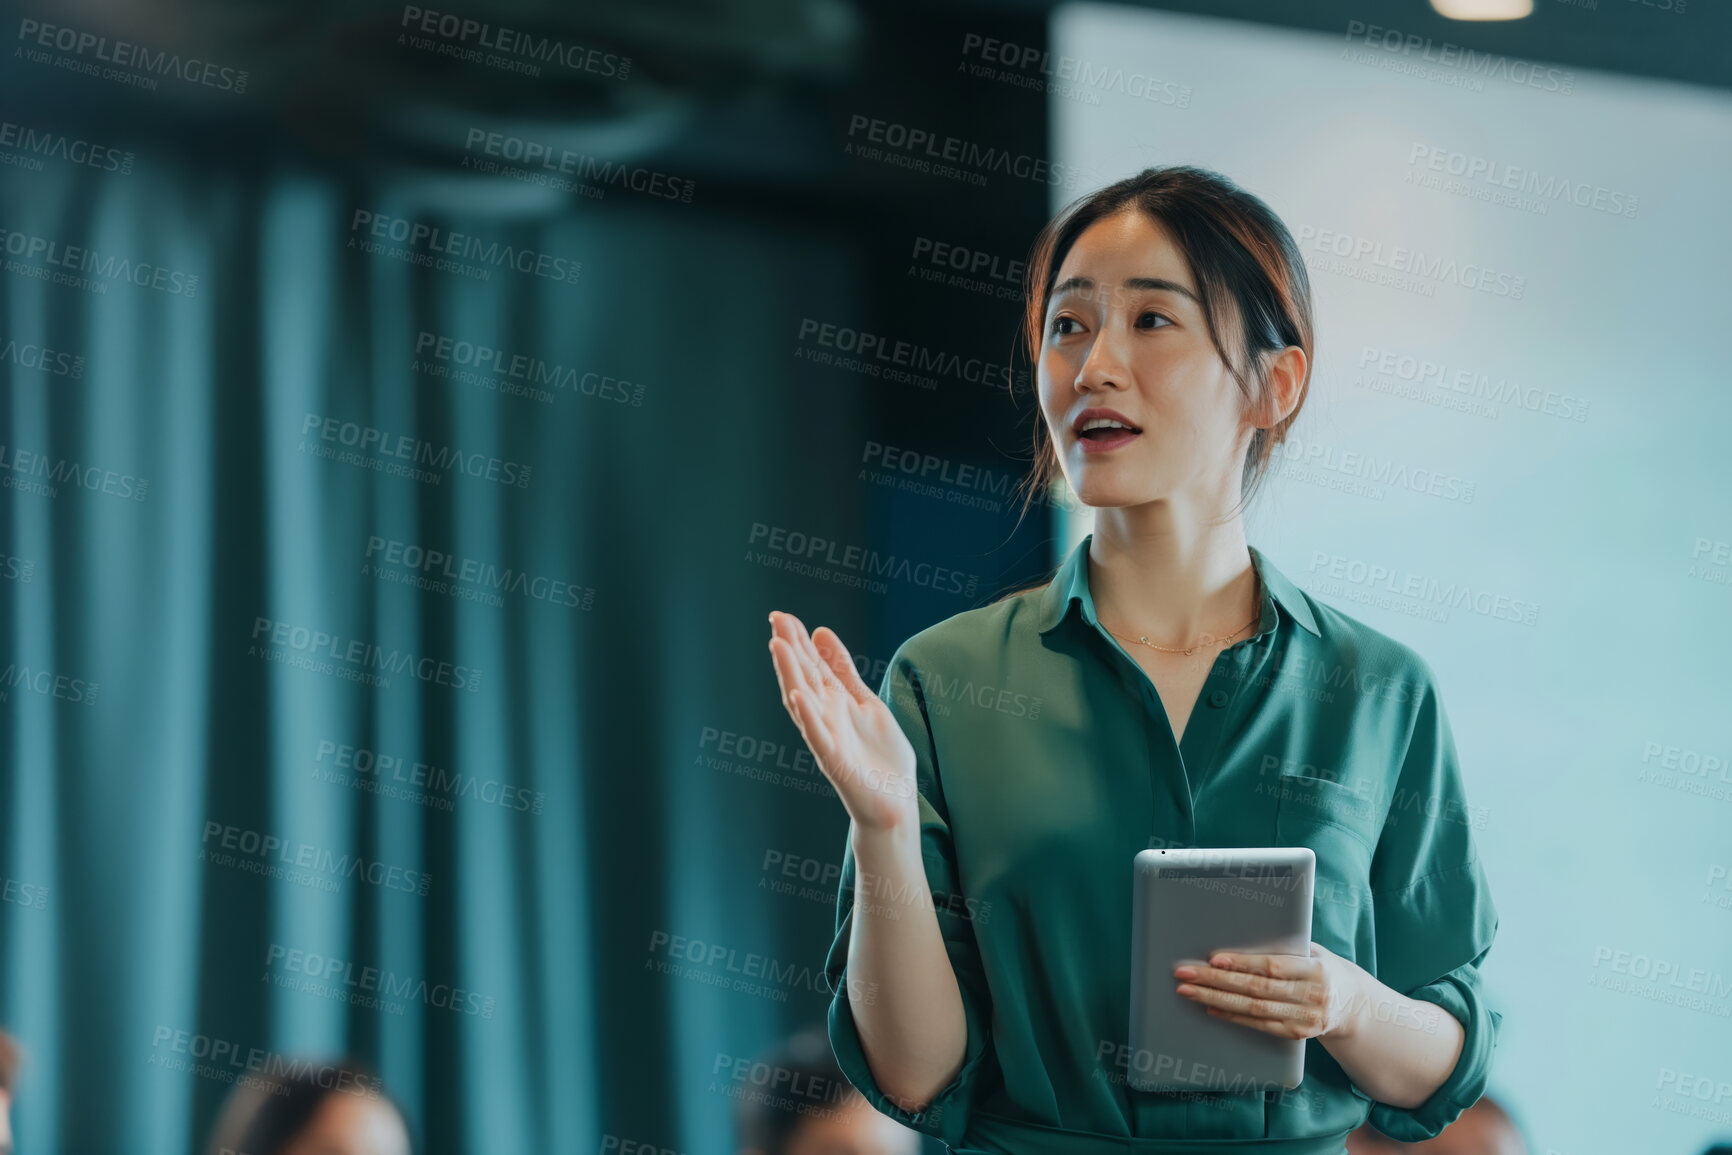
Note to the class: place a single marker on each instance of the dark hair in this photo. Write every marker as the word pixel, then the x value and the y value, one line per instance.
pixel 263 1117
pixel 1247 268
pixel 11 1058
pixel 806 1066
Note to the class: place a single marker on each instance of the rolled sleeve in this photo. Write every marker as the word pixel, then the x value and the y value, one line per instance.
pixel 1458 993
pixel 1434 918
pixel 946 1116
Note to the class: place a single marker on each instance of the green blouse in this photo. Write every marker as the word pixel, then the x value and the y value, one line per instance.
pixel 1045 762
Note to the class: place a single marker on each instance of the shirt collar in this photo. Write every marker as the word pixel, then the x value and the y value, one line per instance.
pixel 1070 586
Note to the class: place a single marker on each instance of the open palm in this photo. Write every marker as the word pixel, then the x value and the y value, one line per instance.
pixel 858 743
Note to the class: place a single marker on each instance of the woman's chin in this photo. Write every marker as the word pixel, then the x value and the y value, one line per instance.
pixel 1113 496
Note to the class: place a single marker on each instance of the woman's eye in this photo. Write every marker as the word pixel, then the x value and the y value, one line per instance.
pixel 1144 321
pixel 1058 326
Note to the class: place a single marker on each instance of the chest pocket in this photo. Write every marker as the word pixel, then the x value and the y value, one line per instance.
pixel 1340 825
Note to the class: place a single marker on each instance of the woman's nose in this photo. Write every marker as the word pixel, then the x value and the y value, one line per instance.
pixel 1104 367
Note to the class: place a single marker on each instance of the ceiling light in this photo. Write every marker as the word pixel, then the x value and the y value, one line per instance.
pixel 1484 9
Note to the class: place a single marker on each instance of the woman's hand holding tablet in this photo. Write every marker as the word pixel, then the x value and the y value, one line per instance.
pixel 1233 924
pixel 1281 994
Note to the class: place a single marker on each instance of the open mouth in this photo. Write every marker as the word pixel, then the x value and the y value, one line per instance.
pixel 1099 429
pixel 1113 431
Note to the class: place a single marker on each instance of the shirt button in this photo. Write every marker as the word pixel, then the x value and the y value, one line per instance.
pixel 1218 699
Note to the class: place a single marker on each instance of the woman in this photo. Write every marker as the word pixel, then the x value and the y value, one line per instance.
pixel 1168 687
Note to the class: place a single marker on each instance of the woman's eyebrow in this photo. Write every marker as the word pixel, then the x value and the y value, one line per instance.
pixel 1084 284
pixel 1159 283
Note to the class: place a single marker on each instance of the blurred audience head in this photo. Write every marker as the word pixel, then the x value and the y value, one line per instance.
pixel 11 1057
pixel 337 1108
pixel 1483 1129
pixel 804 1105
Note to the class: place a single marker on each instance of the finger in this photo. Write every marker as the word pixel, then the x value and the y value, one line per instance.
pixel 825 647
pixel 1277 966
pixel 1278 1029
pixel 813 729
pixel 782 629
pixel 779 658
pixel 790 701
pixel 816 671
pixel 827 746
pixel 1262 986
pixel 799 647
pixel 841 663
pixel 828 722
pixel 784 676
pixel 791 630
pixel 1242 1004
pixel 790 672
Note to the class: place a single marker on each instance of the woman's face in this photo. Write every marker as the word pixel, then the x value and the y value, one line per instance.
pixel 1124 331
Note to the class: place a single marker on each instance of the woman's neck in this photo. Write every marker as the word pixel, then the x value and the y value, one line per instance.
pixel 1157 569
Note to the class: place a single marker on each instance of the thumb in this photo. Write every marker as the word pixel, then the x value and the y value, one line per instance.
pixel 840 662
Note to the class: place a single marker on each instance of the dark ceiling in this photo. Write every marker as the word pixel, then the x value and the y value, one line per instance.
pixel 729 88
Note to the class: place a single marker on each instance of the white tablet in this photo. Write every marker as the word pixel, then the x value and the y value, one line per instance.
pixel 1186 905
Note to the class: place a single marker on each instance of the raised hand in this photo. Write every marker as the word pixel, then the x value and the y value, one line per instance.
pixel 856 740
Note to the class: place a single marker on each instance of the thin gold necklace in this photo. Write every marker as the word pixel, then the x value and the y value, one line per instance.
pixel 1143 639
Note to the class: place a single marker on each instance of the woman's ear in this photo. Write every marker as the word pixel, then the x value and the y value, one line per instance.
pixel 1284 375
